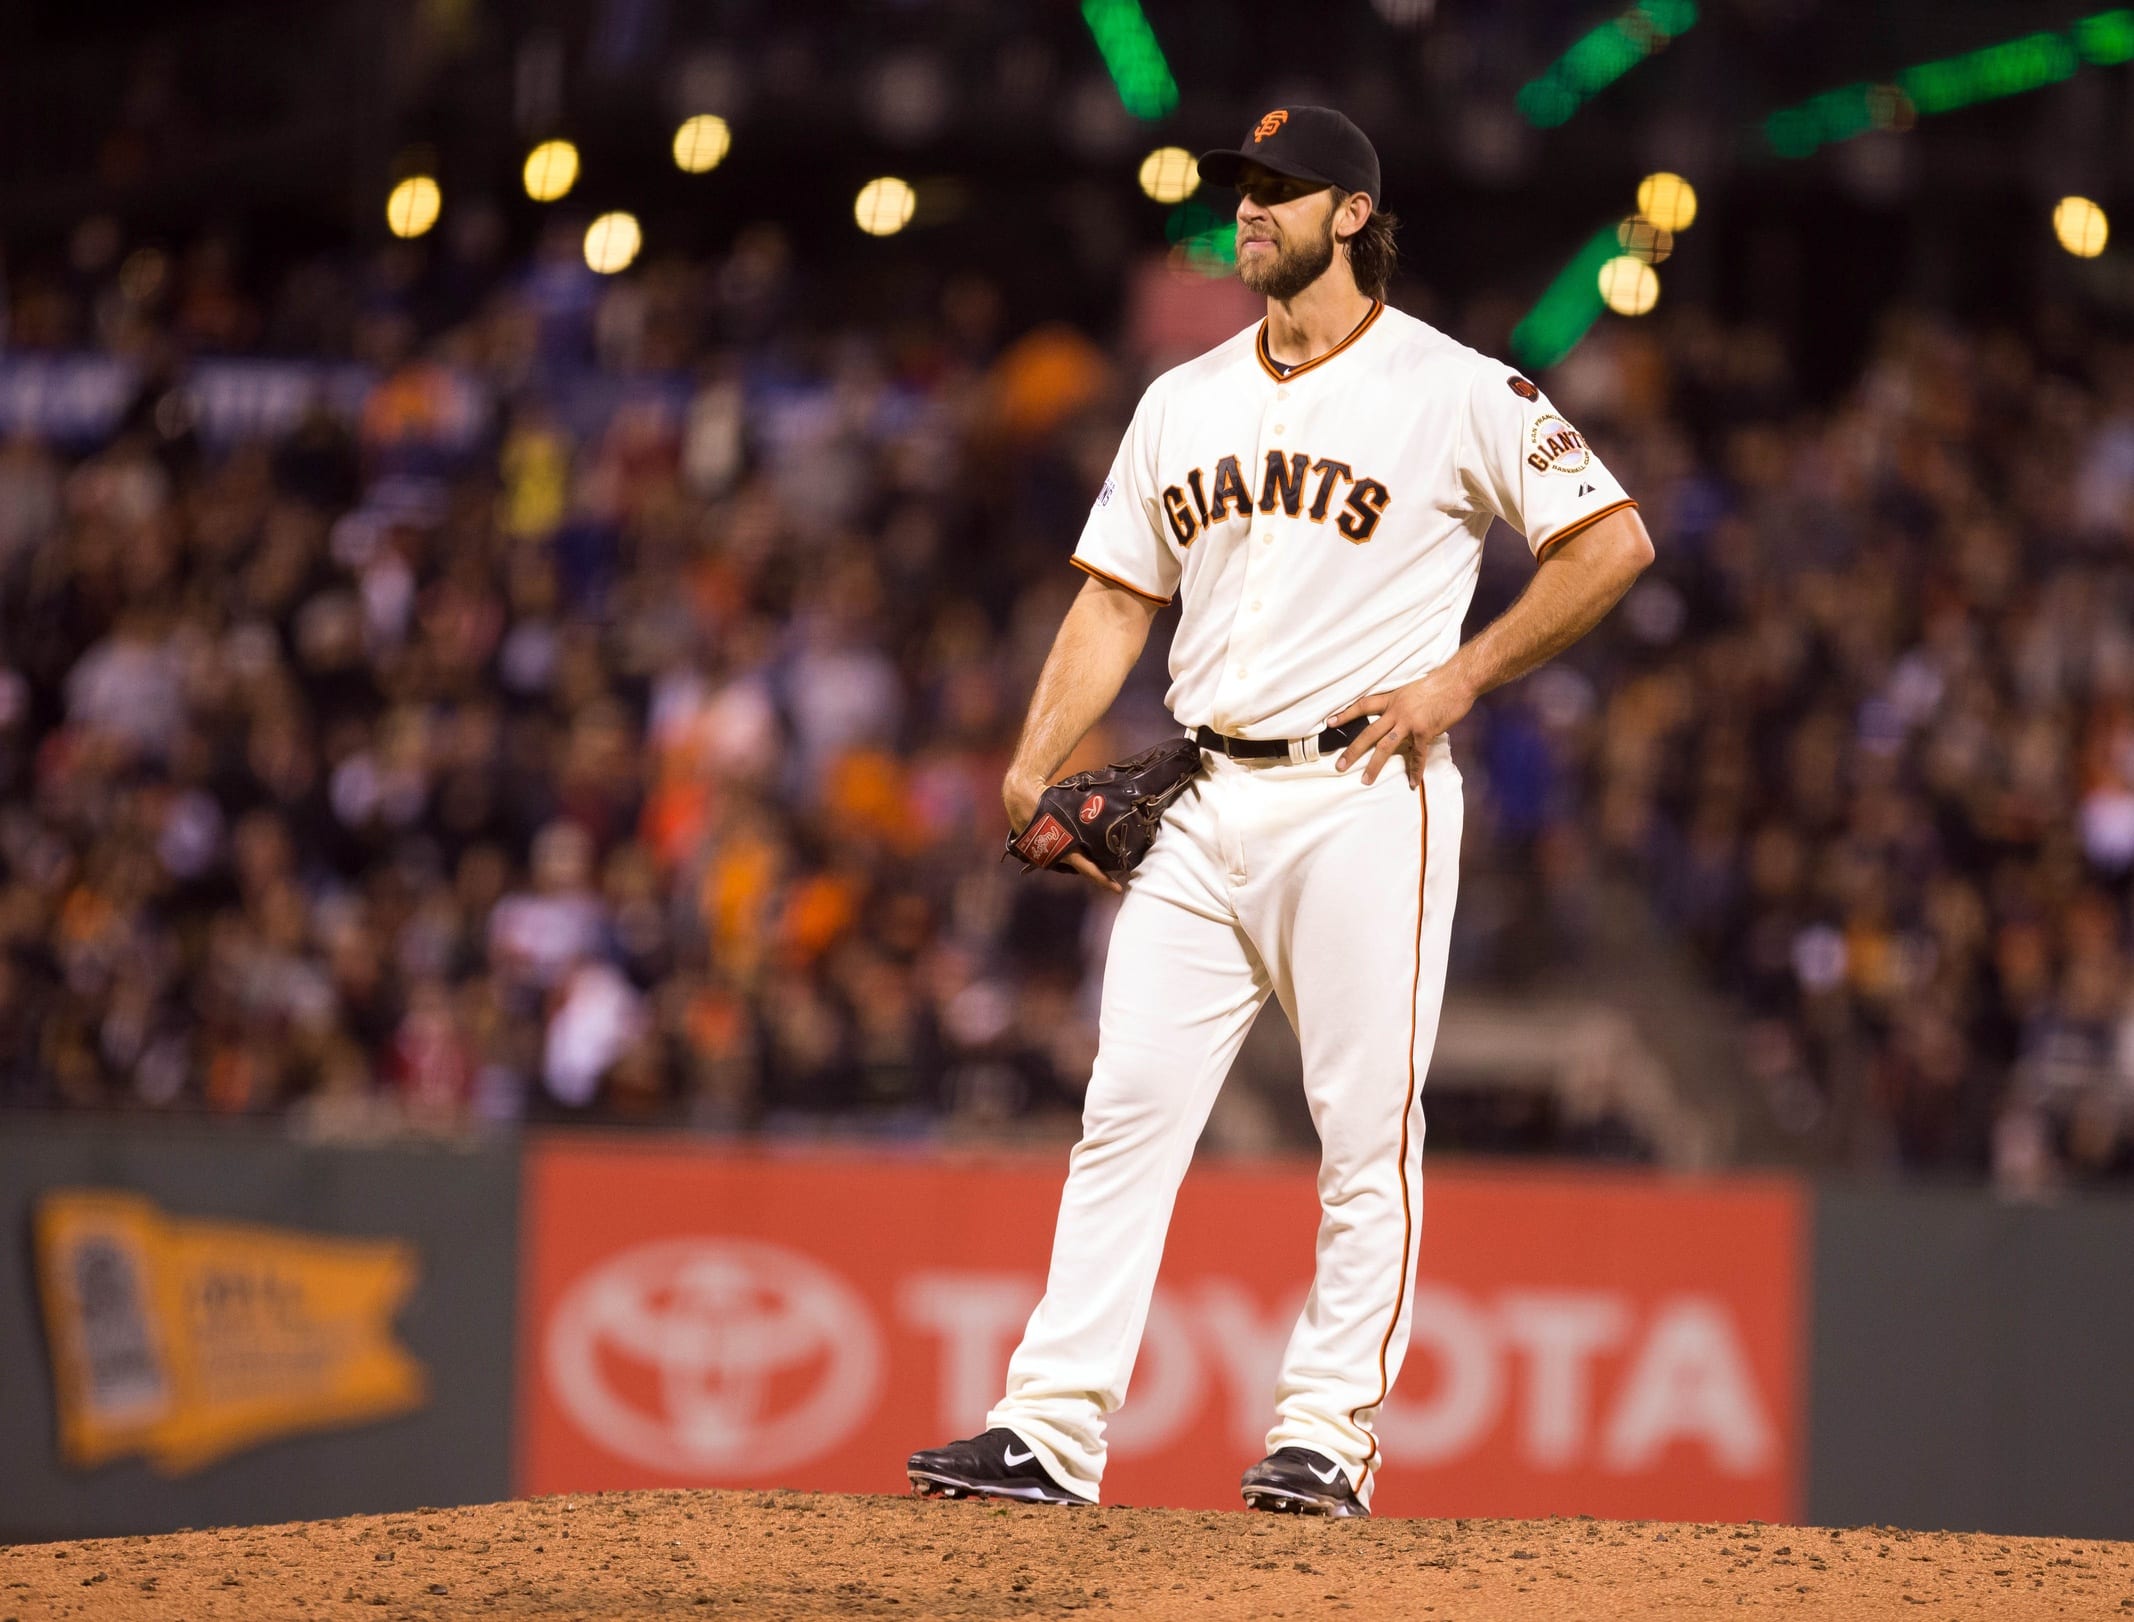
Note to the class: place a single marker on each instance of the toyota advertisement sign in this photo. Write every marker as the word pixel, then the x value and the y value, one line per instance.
pixel 1607 1344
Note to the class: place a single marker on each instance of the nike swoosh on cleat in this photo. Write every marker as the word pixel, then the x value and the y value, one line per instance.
pixel 1010 1456
pixel 1328 1478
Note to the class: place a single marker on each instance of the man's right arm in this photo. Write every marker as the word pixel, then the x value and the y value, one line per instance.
pixel 1098 642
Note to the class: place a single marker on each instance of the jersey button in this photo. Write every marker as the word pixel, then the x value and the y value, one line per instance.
pixel 1255 605
pixel 1281 427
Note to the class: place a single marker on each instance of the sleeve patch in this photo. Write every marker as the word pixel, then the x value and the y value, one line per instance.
pixel 1104 495
pixel 1557 446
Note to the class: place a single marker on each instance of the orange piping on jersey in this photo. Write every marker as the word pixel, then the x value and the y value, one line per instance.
pixel 1584 523
pixel 1267 365
pixel 1123 585
pixel 1407 1113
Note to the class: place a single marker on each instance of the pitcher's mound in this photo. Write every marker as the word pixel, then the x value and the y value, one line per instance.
pixel 786 1554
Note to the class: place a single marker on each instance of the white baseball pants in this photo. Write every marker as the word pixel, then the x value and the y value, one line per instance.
pixel 1265 877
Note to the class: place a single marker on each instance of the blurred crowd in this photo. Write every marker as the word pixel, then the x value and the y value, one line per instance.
pixel 606 718
pixel 643 767
pixel 1872 741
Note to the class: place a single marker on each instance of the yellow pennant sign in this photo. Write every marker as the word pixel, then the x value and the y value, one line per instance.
pixel 190 1340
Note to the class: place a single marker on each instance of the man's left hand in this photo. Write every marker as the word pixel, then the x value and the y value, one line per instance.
pixel 1408 719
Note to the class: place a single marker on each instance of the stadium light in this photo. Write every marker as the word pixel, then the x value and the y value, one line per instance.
pixel 612 241
pixel 1169 175
pixel 884 206
pixel 1628 285
pixel 1945 84
pixel 551 171
pixel 412 207
pixel 701 144
pixel 1133 56
pixel 2081 227
pixel 1668 200
pixel 1600 57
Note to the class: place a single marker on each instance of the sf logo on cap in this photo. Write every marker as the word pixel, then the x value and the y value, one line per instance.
pixel 1268 125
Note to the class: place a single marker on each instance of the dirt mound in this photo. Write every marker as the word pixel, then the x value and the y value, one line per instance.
pixel 785 1554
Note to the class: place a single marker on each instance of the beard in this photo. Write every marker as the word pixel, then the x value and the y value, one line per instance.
pixel 1295 266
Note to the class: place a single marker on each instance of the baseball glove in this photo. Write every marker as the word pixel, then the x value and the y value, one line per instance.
pixel 1108 815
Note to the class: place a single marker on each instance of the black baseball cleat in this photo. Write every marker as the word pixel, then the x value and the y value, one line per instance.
pixel 1298 1481
pixel 998 1464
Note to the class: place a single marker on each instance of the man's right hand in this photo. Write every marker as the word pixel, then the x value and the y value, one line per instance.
pixel 1020 792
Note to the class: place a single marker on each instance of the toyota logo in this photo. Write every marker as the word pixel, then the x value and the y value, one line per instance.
pixel 714 1357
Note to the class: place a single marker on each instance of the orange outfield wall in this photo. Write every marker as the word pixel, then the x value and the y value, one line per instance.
pixel 1610 1344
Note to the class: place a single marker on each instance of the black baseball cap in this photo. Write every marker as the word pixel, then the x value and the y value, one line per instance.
pixel 1305 143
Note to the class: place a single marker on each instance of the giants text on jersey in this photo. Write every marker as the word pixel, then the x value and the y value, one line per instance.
pixel 1324 526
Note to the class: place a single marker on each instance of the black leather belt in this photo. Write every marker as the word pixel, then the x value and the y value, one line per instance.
pixel 1295 749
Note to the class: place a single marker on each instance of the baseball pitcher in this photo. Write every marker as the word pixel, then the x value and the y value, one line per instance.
pixel 1315 491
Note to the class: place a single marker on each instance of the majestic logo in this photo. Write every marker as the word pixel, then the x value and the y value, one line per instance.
pixel 1268 125
pixel 1091 806
pixel 1558 447
pixel 1521 387
pixel 714 1357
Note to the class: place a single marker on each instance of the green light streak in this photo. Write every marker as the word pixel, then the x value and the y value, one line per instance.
pixel 2011 68
pixel 1569 306
pixel 1207 239
pixel 1132 56
pixel 1599 58
pixel 1191 218
pixel 1212 253
pixel 2107 39
pixel 1999 70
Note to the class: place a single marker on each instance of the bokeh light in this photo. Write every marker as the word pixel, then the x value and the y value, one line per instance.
pixel 612 241
pixel 1890 108
pixel 1641 239
pixel 1629 286
pixel 2081 227
pixel 551 171
pixel 143 275
pixel 1667 200
pixel 412 206
pixel 1169 174
pixel 702 143
pixel 884 206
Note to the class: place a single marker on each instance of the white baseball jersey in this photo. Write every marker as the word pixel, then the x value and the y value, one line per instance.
pixel 1325 526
